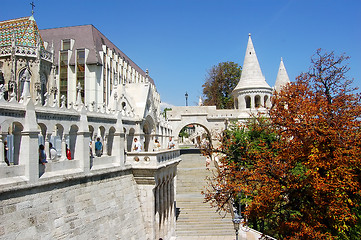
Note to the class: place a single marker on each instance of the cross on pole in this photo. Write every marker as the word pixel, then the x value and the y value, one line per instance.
pixel 32 7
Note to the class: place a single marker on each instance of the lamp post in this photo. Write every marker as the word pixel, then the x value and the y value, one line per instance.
pixel 236 221
pixel 186 95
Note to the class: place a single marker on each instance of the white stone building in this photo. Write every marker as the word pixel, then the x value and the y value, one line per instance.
pixel 69 86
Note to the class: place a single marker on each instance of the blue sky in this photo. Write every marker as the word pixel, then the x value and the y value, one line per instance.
pixel 179 40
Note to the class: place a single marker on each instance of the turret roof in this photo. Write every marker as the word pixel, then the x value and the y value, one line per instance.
pixel 252 77
pixel 282 77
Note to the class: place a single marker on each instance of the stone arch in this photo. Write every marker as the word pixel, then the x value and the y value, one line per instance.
pixel 257 101
pixel 15 136
pixel 247 100
pixel 91 132
pixel 19 86
pixel 148 130
pixel 198 138
pixel 110 141
pixel 265 100
pixel 59 140
pixel 72 139
pixel 236 103
pixel 130 137
pixel 101 132
pixel 42 134
pixel 43 86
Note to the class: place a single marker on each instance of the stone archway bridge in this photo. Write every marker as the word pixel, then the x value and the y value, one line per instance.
pixel 213 120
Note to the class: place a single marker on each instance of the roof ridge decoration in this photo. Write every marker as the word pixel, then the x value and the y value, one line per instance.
pixel 251 76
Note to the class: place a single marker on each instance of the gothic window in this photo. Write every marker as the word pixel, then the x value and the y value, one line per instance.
pixel 43 88
pixel 20 84
pixel 257 101
pixel 248 101
pixel 80 71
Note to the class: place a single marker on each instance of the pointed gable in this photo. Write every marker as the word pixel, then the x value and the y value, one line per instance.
pixel 282 77
pixel 24 29
pixel 252 76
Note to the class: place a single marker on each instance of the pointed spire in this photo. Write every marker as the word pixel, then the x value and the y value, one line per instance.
pixel 252 76
pixel 282 77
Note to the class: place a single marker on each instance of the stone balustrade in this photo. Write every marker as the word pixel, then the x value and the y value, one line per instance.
pixel 145 180
pixel 152 160
pixel 26 51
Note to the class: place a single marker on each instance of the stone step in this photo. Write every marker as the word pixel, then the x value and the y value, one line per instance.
pixel 197 218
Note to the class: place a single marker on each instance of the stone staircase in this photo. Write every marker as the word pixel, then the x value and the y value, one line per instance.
pixel 196 218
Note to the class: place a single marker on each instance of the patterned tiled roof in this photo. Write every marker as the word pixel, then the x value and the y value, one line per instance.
pixel 25 29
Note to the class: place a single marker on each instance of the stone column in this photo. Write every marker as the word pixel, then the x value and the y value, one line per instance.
pixel 46 145
pixel 105 145
pixel 164 196
pixel 28 152
pixel 168 207
pixel 63 148
pixel 242 102
pixel 119 142
pixel 2 152
pixel 156 227
pixel 81 152
pixel 252 102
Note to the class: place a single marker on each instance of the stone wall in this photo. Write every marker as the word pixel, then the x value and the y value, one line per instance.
pixel 103 206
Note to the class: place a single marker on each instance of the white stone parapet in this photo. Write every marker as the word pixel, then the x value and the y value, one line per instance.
pixel 153 160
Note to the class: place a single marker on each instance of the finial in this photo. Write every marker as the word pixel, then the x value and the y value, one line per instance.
pixel 249 34
pixel 32 7
pixel 281 59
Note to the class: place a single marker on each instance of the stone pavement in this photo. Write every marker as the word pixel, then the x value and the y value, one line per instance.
pixel 196 219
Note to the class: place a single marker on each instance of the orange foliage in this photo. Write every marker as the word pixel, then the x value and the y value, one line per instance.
pixel 305 183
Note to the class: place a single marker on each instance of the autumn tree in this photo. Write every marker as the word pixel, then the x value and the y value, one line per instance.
pixel 220 82
pixel 298 172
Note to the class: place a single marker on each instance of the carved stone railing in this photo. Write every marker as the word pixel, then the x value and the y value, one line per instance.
pixel 153 160
pixel 26 51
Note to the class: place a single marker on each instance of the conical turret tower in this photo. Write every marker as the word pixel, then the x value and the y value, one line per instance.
pixel 252 90
pixel 282 77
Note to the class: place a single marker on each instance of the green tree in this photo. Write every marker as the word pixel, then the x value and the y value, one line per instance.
pixel 220 82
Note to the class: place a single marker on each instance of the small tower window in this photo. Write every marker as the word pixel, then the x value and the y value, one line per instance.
pixel 257 100
pixel 265 101
pixel 248 101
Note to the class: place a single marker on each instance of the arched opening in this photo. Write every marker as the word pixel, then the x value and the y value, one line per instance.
pixel 130 139
pixel 257 101
pixel 42 134
pixel 194 135
pixel 248 101
pixel 72 139
pixel 148 130
pixel 91 132
pixel 24 75
pixel 235 103
pixel 265 100
pixel 14 142
pixel 43 88
pixel 110 141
